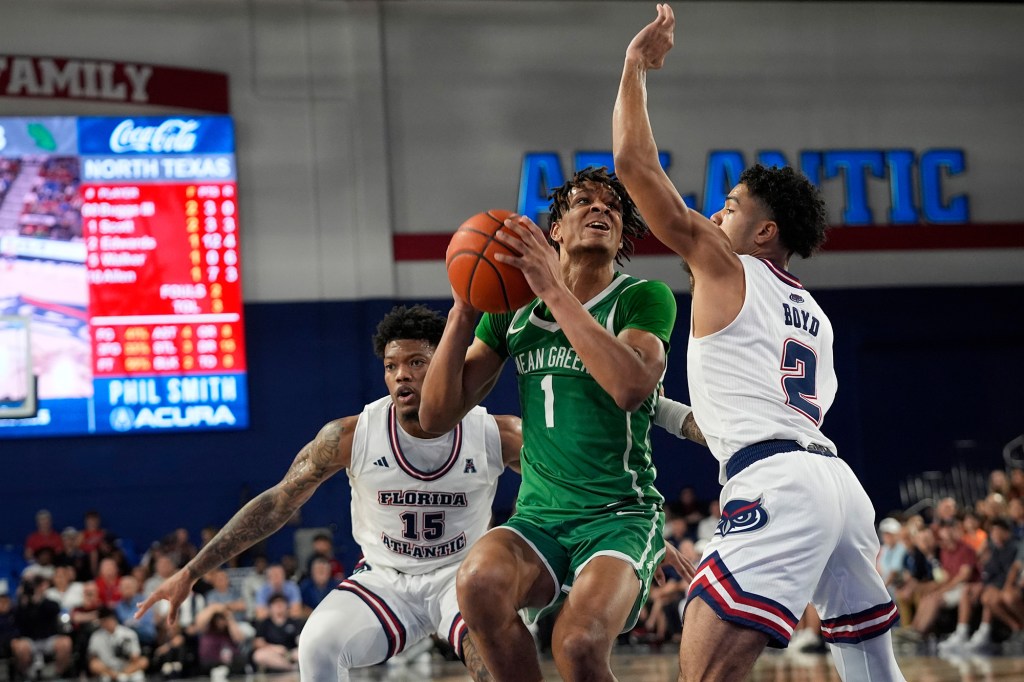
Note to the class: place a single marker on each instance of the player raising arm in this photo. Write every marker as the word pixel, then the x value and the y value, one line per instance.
pixel 419 501
pixel 797 526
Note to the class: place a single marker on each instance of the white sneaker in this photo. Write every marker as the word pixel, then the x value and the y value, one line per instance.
pixel 953 643
pixel 978 646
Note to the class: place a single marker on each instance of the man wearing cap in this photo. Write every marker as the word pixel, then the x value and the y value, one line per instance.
pixel 114 651
pixel 892 553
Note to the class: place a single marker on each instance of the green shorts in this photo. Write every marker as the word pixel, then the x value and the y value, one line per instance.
pixel 566 542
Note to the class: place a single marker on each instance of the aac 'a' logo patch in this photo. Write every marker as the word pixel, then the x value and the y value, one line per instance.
pixel 742 516
pixel 470 467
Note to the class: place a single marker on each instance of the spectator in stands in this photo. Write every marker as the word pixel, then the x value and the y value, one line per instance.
pixel 999 483
pixel 178 547
pixel 918 570
pixel 277 583
pixel 163 569
pixel 709 524
pixel 92 531
pixel 114 651
pixel 8 627
pixel 959 567
pixel 689 507
pixel 37 619
pixel 72 554
pixel 998 558
pixel 85 619
pixel 43 536
pixel 945 513
pixel 277 638
pixel 1016 482
pixel 65 590
pixel 323 546
pixel 108 581
pixel 131 597
pixel 893 553
pixel 317 585
pixel 220 641
pixel 1015 514
pixel 40 565
pixel 291 567
pixel 222 592
pixel 255 577
pixel 974 535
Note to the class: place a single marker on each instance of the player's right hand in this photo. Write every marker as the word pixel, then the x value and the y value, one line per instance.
pixel 654 40
pixel 175 590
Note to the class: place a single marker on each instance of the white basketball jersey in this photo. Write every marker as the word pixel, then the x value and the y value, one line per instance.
pixel 419 504
pixel 769 374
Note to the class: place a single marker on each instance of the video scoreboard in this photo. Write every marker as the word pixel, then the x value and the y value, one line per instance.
pixel 120 246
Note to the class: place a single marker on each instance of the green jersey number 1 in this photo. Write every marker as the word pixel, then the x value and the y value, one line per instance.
pixel 549 401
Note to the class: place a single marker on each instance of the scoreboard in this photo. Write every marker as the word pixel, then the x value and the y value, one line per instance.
pixel 122 241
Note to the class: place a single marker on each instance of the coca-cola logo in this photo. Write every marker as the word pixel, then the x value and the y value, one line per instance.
pixel 173 135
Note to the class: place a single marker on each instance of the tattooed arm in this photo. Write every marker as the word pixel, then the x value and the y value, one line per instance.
pixel 321 458
pixel 677 419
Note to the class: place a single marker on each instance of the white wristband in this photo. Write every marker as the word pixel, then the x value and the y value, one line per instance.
pixel 669 415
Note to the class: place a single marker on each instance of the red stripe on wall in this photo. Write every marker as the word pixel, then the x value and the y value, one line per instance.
pixel 432 246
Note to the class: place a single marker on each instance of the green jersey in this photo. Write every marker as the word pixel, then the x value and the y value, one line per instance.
pixel 580 450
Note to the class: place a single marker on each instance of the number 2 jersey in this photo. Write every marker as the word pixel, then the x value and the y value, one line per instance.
pixel 580 450
pixel 769 374
pixel 419 503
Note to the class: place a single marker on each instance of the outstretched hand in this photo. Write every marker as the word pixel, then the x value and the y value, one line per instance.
pixel 175 590
pixel 538 259
pixel 653 42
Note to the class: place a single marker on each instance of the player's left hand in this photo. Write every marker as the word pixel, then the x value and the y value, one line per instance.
pixel 673 558
pixel 539 260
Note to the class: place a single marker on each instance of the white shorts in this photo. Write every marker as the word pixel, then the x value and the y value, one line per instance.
pixel 797 528
pixel 376 613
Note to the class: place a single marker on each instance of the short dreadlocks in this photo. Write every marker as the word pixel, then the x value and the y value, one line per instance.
pixel 633 224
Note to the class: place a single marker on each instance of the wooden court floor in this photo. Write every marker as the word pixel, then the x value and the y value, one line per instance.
pixel 771 667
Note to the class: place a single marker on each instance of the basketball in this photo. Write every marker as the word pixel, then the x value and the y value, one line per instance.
pixel 474 272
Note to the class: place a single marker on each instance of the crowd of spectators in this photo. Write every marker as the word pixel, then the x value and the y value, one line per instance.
pixel 70 611
pixel 52 209
pixel 9 169
pixel 957 573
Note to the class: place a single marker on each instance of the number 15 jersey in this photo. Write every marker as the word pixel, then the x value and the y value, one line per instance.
pixel 580 450
pixel 769 375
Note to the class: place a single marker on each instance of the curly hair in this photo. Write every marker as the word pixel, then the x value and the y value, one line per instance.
pixel 633 224
pixel 417 322
pixel 795 205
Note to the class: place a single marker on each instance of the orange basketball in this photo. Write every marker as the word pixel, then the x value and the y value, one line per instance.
pixel 474 272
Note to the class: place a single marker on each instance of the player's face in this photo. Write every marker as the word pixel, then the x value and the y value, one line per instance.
pixel 405 364
pixel 740 218
pixel 592 221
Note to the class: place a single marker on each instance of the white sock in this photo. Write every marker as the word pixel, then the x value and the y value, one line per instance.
pixel 983 632
pixel 962 630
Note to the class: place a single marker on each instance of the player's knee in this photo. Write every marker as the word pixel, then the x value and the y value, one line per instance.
pixel 320 648
pixel 583 648
pixel 481 585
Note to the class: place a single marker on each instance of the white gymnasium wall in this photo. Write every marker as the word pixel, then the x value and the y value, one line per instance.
pixel 358 120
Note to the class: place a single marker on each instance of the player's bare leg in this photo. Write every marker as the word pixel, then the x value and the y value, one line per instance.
pixel 594 613
pixel 474 661
pixel 715 650
pixel 500 575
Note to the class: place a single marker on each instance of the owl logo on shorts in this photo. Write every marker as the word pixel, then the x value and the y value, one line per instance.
pixel 742 516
